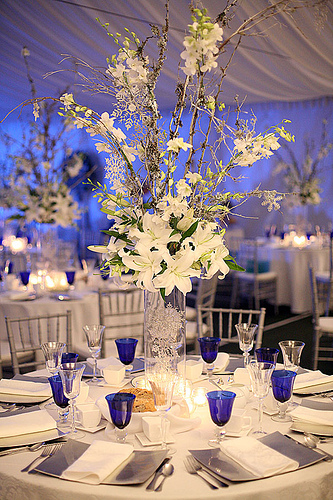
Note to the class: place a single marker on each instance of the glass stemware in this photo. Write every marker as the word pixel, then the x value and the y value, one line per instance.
pixel 94 336
pixel 52 352
pixel 291 352
pixel 246 332
pixel 25 275
pixel 260 375
pixel 282 385
pixel 70 275
pixel 120 407
pixel 71 374
pixel 266 354
pixel 60 400
pixel 209 347
pixel 126 351
pixel 220 407
pixel 69 357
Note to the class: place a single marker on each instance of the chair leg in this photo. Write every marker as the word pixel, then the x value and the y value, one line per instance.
pixel 316 348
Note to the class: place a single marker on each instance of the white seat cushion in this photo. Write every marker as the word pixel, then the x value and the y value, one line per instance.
pixel 323 277
pixel 326 323
pixel 191 313
pixel 191 330
pixel 260 276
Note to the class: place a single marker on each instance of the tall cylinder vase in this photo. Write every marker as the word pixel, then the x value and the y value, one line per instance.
pixel 164 339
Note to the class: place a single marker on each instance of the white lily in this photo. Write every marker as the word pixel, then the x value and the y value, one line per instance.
pixel 177 274
pixel 147 264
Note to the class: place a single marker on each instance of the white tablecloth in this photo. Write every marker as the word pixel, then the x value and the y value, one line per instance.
pixel 292 267
pixel 311 483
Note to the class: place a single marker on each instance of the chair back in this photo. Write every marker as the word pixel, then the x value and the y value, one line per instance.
pixel 122 313
pixel 25 336
pixel 221 323
pixel 318 300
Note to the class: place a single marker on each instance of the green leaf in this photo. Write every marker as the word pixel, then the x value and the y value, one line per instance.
pixel 190 231
pixel 162 291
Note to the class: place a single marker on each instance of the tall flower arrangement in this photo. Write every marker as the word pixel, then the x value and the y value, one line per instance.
pixel 165 192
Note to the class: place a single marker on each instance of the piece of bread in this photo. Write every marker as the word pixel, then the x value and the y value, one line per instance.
pixel 144 400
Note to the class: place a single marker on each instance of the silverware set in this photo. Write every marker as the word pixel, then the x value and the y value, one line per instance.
pixel 194 467
pixel 48 451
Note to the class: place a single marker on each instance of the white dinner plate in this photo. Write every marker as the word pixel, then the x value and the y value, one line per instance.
pixel 317 429
pixel 26 439
pixel 141 436
pixel 20 398
pixel 315 389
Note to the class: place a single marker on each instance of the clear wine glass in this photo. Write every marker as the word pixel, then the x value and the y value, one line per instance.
pixel 52 352
pixel 282 386
pixel 94 336
pixel 209 348
pixel 220 407
pixel 246 332
pixel 260 374
pixel 61 401
pixel 126 351
pixel 120 407
pixel 71 375
pixel 291 352
pixel 266 354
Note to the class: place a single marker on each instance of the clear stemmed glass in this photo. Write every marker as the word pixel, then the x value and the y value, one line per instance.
pixel 209 347
pixel 25 275
pixel 126 351
pixel 282 385
pixel 61 401
pixel 291 352
pixel 246 332
pixel 120 407
pixel 52 352
pixel 260 374
pixel 266 354
pixel 94 336
pixel 220 407
pixel 70 275
pixel 71 374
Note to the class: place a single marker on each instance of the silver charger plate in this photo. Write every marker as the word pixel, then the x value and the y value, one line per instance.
pixel 220 464
pixel 135 470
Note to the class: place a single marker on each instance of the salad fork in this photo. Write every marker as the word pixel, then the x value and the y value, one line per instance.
pixel 48 451
pixel 192 470
pixel 198 467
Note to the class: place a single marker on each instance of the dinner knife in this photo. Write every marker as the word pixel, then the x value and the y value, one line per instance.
pixel 327 456
pixel 158 472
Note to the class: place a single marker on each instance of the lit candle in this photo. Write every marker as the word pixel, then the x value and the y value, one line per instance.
pixel 199 396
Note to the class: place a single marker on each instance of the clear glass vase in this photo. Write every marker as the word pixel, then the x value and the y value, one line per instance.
pixel 164 340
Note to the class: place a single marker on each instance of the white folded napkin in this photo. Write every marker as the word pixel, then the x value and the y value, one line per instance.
pixel 241 376
pixel 98 462
pixel 309 379
pixel 25 388
pixel 310 415
pixel 26 423
pixel 103 363
pixel 221 362
pixel 20 295
pixel 178 416
pixel 257 458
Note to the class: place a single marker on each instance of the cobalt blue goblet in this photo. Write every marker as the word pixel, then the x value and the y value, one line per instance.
pixel 60 400
pixel 69 357
pixel 209 347
pixel 25 275
pixel 282 385
pixel 120 407
pixel 220 406
pixel 70 275
pixel 266 355
pixel 126 351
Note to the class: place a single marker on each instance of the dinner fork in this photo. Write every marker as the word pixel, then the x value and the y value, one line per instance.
pixel 48 451
pixel 192 470
pixel 198 467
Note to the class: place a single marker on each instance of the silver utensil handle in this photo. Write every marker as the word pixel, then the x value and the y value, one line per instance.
pixel 12 451
pixel 221 483
pixel 212 486
pixel 158 473
pixel 30 466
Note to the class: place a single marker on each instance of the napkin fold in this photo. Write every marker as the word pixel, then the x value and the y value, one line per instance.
pixel 25 388
pixel 20 295
pixel 312 416
pixel 310 379
pixel 26 423
pixel 221 362
pixel 103 363
pixel 98 462
pixel 257 458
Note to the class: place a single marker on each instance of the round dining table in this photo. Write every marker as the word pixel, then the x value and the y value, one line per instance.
pixel 314 482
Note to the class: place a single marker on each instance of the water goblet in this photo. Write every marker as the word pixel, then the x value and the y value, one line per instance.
pixel 25 275
pixel 291 352
pixel 120 407
pixel 70 275
pixel 60 400
pixel 126 351
pixel 220 407
pixel 71 374
pixel 282 385
pixel 69 357
pixel 260 375
pixel 52 352
pixel 94 336
pixel 266 354
pixel 246 332
pixel 209 347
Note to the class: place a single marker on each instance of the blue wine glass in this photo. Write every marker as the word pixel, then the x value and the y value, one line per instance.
pixel 209 347
pixel 220 407
pixel 25 275
pixel 120 407
pixel 282 385
pixel 266 355
pixel 70 275
pixel 126 351
pixel 69 357
pixel 60 400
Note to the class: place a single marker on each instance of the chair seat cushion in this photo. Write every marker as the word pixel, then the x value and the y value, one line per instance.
pixel 326 323
pixel 192 331
pixel 323 277
pixel 270 276
pixel 191 313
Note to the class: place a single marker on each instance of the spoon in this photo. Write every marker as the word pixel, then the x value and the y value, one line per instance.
pixel 168 470
pixel 312 441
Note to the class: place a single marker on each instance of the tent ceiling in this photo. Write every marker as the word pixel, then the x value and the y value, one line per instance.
pixel 286 65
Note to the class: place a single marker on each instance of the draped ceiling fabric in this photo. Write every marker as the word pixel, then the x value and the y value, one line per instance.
pixel 290 64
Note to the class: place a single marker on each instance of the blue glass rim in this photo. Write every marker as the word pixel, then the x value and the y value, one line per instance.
pixel 72 366
pixel 268 350
pixel 127 340
pixel 209 340
pixel 120 397
pixel 220 395
pixel 283 374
